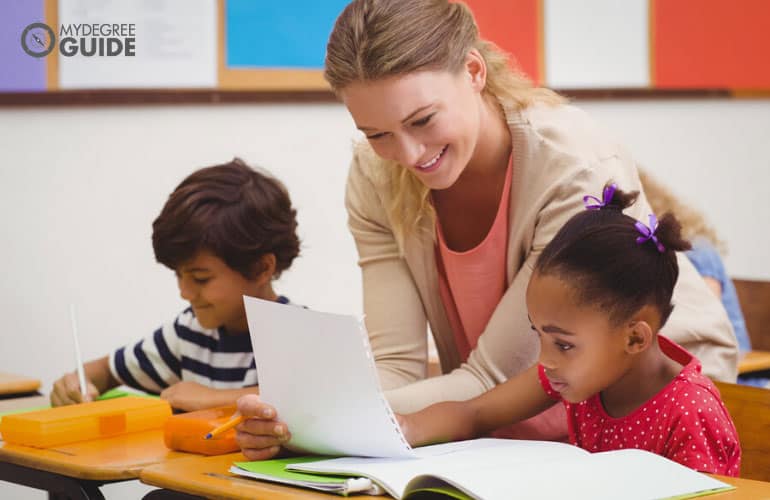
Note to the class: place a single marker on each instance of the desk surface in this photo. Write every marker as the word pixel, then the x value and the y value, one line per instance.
pixel 112 459
pixel 16 384
pixel 24 403
pixel 754 361
pixel 209 477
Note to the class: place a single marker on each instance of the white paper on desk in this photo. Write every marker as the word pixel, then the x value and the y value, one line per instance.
pixel 317 370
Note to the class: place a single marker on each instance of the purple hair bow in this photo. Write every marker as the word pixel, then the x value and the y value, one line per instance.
pixel 607 194
pixel 648 233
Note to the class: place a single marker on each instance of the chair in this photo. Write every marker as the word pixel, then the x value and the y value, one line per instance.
pixel 754 297
pixel 750 409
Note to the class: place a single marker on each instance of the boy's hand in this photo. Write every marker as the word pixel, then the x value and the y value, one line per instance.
pixel 190 396
pixel 66 391
pixel 261 435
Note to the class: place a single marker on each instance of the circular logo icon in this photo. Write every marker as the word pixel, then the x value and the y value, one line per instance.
pixel 38 39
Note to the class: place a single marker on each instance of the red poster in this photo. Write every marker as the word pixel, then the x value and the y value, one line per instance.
pixel 514 25
pixel 711 44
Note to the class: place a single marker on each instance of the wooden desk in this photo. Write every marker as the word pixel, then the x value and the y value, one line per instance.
pixel 15 384
pixel 22 403
pixel 209 477
pixel 78 469
pixel 754 361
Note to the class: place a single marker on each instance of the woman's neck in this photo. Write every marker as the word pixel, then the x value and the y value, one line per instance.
pixel 647 375
pixel 467 209
pixel 493 146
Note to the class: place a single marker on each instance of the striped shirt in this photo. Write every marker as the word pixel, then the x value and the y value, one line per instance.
pixel 184 350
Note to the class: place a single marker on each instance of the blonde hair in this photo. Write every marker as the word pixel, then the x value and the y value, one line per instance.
pixel 693 222
pixel 376 39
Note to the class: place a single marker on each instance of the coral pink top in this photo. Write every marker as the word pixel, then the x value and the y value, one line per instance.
pixel 472 283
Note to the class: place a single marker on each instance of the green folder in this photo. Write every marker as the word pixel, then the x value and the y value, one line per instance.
pixel 275 471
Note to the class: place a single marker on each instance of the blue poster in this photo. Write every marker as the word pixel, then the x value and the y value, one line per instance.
pixel 282 35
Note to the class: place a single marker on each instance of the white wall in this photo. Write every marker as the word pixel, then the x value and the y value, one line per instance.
pixel 716 155
pixel 80 187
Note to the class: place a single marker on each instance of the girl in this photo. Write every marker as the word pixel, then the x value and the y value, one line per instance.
pixel 600 293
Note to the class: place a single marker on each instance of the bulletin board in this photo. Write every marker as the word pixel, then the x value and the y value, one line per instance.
pixel 246 50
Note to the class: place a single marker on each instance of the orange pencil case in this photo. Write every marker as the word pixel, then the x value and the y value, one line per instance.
pixel 186 431
pixel 85 421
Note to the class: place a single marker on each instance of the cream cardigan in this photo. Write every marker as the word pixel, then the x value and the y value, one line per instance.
pixel 559 155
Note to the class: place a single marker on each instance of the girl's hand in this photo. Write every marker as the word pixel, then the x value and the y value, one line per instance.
pixel 260 435
pixel 66 391
pixel 407 428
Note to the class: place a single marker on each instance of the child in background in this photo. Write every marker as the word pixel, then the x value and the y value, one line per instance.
pixel 226 231
pixel 600 292
pixel 705 256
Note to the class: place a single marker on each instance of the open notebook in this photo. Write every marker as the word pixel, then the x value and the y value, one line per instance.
pixel 492 469
pixel 317 370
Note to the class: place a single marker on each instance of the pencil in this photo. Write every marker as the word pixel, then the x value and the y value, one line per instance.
pixel 78 358
pixel 236 419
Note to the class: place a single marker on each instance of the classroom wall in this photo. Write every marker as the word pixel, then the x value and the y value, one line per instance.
pixel 79 188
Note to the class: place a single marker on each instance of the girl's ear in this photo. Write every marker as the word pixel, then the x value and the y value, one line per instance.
pixel 476 70
pixel 640 333
pixel 639 337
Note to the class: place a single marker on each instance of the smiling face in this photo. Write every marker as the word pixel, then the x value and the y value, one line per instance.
pixel 215 291
pixel 582 352
pixel 427 121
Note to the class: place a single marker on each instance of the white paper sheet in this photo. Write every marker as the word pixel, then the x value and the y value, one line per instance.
pixel 317 370
pixel 176 44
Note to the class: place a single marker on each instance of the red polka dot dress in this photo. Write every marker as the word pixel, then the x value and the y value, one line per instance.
pixel 685 422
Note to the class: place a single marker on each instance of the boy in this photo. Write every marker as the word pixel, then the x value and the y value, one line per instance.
pixel 226 231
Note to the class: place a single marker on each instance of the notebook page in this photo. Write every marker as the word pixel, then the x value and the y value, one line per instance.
pixel 469 460
pixel 626 474
pixel 317 370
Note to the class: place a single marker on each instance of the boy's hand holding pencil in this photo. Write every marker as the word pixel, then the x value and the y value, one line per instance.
pixel 74 388
pixel 66 391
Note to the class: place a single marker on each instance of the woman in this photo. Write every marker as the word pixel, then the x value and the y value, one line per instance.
pixel 466 174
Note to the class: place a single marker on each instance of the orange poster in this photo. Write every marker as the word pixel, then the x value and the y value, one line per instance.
pixel 514 25
pixel 711 44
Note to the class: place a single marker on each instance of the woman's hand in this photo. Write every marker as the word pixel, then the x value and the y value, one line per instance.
pixel 260 435
pixel 66 391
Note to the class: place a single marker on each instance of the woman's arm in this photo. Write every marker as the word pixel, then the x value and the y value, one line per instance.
pixel 515 400
pixel 395 319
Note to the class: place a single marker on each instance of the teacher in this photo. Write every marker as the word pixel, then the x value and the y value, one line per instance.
pixel 466 173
